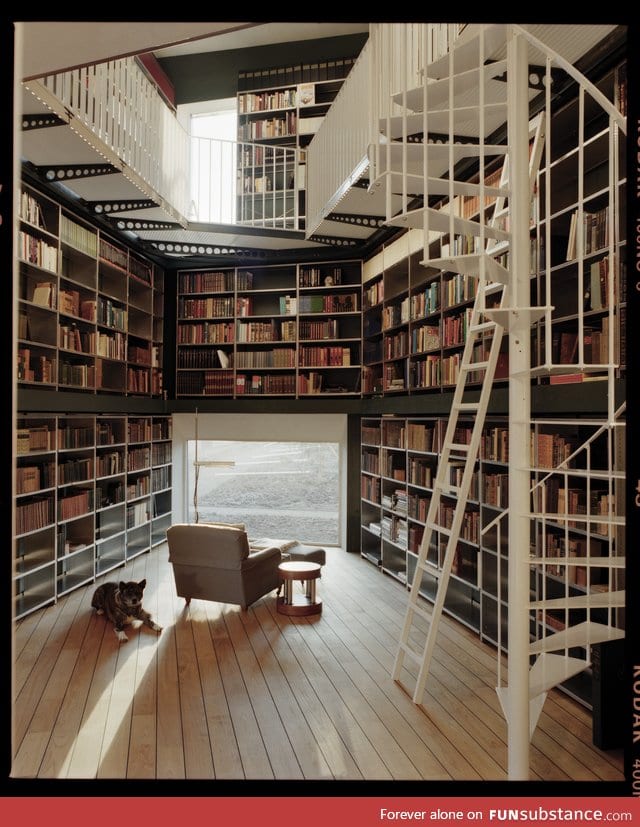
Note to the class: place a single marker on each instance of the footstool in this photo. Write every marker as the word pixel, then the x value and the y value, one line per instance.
pixel 305 553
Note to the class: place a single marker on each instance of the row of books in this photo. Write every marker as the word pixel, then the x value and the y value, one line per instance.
pixel 139 431
pixel 370 489
pixel 396 346
pixel 261 101
pixel 114 255
pixel 218 382
pixel 75 505
pixel 37 251
pixel 78 236
pixel 469 529
pixel 494 444
pixel 35 367
pixel 109 464
pixel 161 453
pixel 205 308
pixel 31 210
pixel 373 295
pixel 282 127
pixel 370 462
pixel 370 434
pixel 495 489
pixel 75 470
pixel 138 487
pixel 425 338
pixel 395 314
pixel 161 478
pixel 294 74
pixel 418 507
pixel 276 358
pixel 317 277
pixel 138 459
pixel 283 384
pixel 111 315
pixel 425 303
pixel 549 450
pixel 595 232
pixel 34 515
pixel 420 472
pixel 77 375
pixel 336 303
pixel 454 328
pixel 138 514
pixel 335 356
pixel 203 357
pixel 427 372
pixel 32 478
pixel 392 465
pixel 208 282
pixel 206 332
pixel 138 381
pixel 396 501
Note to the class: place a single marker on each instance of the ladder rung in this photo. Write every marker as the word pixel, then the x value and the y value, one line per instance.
pixel 429 568
pixel 419 610
pixel 458 446
pixel 467 406
pixel 475 366
pixel 478 328
pixel 447 487
pixel 440 528
pixel 494 287
pixel 412 654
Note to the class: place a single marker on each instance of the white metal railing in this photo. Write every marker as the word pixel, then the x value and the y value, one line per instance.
pixel 200 179
pixel 123 109
pixel 337 155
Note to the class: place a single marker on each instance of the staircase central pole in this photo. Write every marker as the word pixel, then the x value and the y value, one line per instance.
pixel 519 411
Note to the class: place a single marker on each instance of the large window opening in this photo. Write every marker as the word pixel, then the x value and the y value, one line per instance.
pixel 214 130
pixel 281 490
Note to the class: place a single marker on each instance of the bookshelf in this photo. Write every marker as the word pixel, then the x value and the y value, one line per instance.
pixel 399 457
pixel 91 493
pixel 280 330
pixel 280 110
pixel 90 310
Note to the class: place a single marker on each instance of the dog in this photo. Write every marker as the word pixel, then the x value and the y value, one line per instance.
pixel 122 604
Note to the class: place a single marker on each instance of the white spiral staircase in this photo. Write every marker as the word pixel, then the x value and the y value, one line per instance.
pixel 430 136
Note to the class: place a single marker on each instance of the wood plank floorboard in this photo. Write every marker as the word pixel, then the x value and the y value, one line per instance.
pixel 230 695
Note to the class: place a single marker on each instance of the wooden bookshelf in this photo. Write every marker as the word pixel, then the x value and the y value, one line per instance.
pixel 272 119
pixel 90 311
pixel 399 458
pixel 91 493
pixel 281 330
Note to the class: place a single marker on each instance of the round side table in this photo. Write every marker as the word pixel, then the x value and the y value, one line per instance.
pixel 299 604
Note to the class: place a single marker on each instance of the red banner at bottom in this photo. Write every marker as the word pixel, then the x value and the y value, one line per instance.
pixel 323 811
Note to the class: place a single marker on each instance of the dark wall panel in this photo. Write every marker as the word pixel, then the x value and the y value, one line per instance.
pixel 214 75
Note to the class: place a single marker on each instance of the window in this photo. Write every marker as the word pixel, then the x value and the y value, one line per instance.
pixel 283 490
pixel 213 162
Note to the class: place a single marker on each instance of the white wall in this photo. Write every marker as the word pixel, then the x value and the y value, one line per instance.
pixel 258 428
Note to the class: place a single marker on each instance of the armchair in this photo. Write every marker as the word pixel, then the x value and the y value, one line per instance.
pixel 214 562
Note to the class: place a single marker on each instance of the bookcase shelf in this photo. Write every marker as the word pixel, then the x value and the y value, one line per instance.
pixel 80 511
pixel 277 118
pixel 399 456
pixel 281 330
pixel 95 301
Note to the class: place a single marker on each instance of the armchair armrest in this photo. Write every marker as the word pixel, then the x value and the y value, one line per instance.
pixel 261 557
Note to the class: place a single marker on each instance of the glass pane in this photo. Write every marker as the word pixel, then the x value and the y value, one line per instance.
pixel 280 490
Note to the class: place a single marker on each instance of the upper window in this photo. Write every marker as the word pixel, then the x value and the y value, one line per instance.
pixel 214 130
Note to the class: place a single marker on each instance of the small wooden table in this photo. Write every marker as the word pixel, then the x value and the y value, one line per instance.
pixel 299 604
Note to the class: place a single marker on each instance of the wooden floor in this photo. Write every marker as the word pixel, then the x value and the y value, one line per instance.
pixel 226 694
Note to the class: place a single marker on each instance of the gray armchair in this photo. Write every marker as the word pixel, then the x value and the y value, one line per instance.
pixel 214 562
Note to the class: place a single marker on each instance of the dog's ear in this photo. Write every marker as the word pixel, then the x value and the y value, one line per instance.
pixel 121 585
pixel 142 584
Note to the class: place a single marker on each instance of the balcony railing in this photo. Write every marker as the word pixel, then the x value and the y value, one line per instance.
pixel 256 185
pixel 198 179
